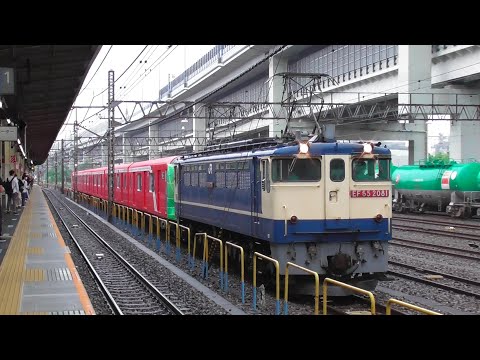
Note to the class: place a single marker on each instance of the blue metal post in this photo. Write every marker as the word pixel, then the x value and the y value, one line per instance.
pixel 243 292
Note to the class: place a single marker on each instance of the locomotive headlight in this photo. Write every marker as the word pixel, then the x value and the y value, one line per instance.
pixel 367 148
pixel 303 148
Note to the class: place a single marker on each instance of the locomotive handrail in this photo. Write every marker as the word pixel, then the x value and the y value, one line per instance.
pixel 277 281
pixel 317 286
pixel 350 287
pixel 242 268
pixel 408 306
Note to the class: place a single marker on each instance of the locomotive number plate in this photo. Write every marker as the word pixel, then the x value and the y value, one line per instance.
pixel 369 193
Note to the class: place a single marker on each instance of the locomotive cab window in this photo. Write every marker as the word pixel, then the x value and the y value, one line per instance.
pixel 295 170
pixel 337 170
pixel 139 181
pixel 371 169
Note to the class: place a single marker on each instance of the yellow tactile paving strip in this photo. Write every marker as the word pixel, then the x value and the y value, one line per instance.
pixel 13 271
pixel 35 250
pixel 34 275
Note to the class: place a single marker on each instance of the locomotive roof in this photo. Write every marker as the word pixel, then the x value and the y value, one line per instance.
pixel 316 149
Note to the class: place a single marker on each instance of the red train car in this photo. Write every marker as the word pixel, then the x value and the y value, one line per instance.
pixel 91 182
pixel 121 193
pixel 141 185
pixel 148 186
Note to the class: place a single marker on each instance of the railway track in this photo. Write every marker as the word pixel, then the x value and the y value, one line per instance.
pixel 437 222
pixel 358 305
pixel 437 232
pixel 125 289
pixel 439 249
pixel 449 282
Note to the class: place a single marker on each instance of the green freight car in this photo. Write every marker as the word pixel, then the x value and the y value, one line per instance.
pixel 440 186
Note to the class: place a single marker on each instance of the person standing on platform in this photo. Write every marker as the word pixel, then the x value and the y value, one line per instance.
pixel 8 185
pixel 25 189
pixel 16 191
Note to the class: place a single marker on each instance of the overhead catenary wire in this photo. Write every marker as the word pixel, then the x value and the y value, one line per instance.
pixel 128 67
pixel 138 67
pixel 99 66
pixel 160 59
pixel 133 62
pixel 204 97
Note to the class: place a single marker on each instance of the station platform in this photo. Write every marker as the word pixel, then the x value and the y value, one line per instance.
pixel 37 274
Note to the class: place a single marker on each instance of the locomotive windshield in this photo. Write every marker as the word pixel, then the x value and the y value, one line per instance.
pixel 371 169
pixel 294 170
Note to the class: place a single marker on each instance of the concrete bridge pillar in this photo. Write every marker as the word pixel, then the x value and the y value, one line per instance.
pixel 414 78
pixel 465 133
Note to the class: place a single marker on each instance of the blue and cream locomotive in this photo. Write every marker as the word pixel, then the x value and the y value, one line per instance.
pixel 323 206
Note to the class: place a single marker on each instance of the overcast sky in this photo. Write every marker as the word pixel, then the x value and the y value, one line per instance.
pixel 142 81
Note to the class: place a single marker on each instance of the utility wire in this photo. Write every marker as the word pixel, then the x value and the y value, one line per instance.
pixel 99 66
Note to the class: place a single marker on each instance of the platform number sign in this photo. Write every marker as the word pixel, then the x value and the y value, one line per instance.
pixel 7 81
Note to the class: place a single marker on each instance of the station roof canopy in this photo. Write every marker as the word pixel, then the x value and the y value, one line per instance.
pixel 47 79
